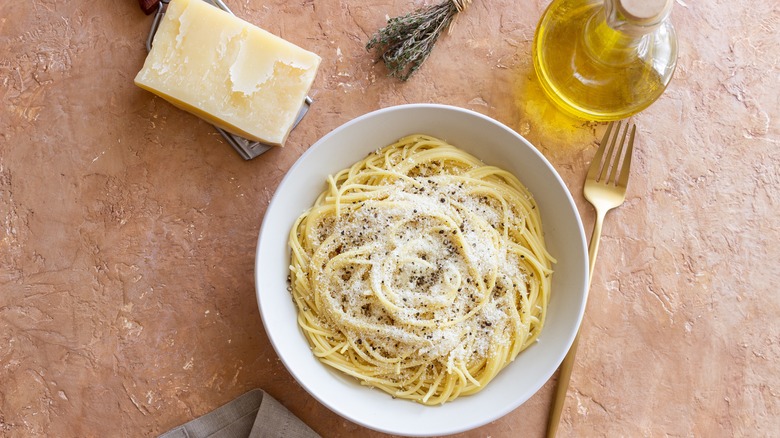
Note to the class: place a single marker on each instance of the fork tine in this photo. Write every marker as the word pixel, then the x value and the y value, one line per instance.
pixel 615 167
pixel 622 180
pixel 595 165
pixel 608 158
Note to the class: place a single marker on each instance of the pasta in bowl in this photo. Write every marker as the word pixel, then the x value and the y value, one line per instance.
pixel 421 269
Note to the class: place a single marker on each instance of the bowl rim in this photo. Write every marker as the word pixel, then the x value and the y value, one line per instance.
pixel 324 140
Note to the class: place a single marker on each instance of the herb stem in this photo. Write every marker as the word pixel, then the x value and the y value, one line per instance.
pixel 407 41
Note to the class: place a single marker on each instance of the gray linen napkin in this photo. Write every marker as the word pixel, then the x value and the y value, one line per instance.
pixel 252 415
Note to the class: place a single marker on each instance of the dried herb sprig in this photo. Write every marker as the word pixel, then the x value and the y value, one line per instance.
pixel 407 41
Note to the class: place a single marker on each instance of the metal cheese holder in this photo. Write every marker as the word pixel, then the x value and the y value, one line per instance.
pixel 248 149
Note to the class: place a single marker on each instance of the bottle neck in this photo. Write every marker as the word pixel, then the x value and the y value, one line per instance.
pixel 623 15
pixel 616 38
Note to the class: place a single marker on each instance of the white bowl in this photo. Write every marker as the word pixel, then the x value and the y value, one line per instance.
pixel 494 144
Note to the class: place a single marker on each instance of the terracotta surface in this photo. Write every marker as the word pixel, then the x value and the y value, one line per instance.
pixel 128 227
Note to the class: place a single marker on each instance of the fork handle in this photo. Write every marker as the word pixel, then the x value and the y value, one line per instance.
pixel 593 247
pixel 564 376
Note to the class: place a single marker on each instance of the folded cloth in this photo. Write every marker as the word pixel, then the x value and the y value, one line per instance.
pixel 252 415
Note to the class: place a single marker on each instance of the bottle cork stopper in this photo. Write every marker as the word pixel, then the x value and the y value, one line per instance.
pixel 645 11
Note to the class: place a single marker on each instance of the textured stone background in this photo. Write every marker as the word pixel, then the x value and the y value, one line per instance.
pixel 128 228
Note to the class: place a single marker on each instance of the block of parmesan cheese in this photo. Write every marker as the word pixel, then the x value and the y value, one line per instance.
pixel 229 72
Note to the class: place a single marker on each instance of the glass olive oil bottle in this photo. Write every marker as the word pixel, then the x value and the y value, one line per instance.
pixel 605 59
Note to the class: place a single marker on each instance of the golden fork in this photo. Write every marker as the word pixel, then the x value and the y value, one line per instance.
pixel 605 189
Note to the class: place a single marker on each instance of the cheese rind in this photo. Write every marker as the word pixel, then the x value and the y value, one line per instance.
pixel 227 71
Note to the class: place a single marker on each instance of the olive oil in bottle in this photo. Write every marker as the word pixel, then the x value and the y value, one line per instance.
pixel 605 59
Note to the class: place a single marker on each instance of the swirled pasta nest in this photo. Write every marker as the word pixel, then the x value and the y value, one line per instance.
pixel 421 271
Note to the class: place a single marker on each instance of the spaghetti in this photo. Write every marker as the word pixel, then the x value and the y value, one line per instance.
pixel 421 271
